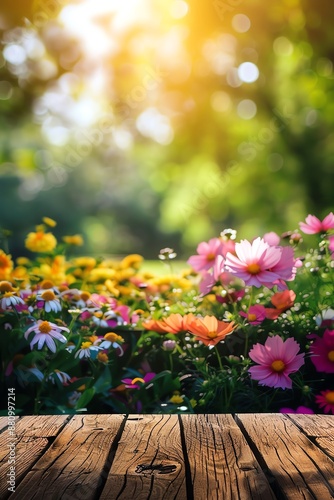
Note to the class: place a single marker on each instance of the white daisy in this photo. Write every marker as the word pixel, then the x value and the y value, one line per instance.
pixel 45 333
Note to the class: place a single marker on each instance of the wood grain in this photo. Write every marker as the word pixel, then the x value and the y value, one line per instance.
pixel 222 465
pixel 30 440
pixel 73 467
pixel 319 428
pixel 149 462
pixel 300 469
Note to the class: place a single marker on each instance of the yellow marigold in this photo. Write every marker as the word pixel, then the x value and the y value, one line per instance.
pixel 6 265
pixel 113 337
pixel 176 399
pixel 134 260
pixel 49 222
pixel 124 274
pixel 40 242
pixel 102 357
pixel 75 240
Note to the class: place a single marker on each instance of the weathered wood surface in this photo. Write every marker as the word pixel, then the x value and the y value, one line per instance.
pixel 170 457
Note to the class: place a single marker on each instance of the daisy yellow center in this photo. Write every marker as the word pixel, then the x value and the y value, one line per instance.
pixel 113 337
pixel 330 397
pixel 331 356
pixel 211 256
pixel 5 286
pixel 253 268
pixel 85 345
pixel 212 335
pixel 45 327
pixel 46 284
pixel 138 379
pixel 85 296
pixel 278 365
pixel 251 317
pixel 48 295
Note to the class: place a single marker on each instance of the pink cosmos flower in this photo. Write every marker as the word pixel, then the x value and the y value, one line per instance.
pixel 207 253
pixel 258 263
pixel 277 359
pixel 325 400
pixel 209 279
pixel 322 352
pixel 255 314
pixel 272 239
pixel 301 409
pixel 313 225
pixel 45 333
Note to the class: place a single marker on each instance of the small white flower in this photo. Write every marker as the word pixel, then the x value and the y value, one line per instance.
pixel 85 350
pixel 9 300
pixel 51 303
pixel 62 376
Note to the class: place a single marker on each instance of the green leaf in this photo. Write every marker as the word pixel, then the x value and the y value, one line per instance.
pixel 85 398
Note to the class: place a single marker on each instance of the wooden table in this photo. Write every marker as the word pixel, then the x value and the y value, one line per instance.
pixel 193 457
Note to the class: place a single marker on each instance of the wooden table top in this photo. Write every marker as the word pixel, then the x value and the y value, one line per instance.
pixel 179 457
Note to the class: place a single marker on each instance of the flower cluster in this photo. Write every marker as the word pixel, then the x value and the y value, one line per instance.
pixel 247 326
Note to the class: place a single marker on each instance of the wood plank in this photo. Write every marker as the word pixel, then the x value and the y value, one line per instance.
pixel 31 438
pixel 4 422
pixel 319 428
pixel 149 461
pixel 300 468
pixel 221 463
pixel 74 466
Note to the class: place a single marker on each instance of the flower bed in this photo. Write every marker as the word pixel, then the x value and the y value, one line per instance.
pixel 247 327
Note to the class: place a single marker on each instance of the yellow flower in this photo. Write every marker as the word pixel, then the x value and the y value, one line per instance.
pixel 176 399
pixel 40 242
pixel 76 240
pixel 6 265
pixel 102 357
pixel 133 260
pixel 49 222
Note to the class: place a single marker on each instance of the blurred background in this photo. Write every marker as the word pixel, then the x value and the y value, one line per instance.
pixel 143 124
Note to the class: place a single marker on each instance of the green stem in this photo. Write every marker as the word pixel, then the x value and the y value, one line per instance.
pixel 219 359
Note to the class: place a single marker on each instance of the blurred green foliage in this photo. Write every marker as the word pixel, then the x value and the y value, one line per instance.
pixel 140 133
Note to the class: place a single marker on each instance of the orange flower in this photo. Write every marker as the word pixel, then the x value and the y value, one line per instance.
pixel 209 329
pixel 6 265
pixel 282 301
pixel 172 324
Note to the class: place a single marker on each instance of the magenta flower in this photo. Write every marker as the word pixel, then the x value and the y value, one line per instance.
pixel 313 225
pixel 255 314
pixel 277 359
pixel 255 262
pixel 137 382
pixel 207 253
pixel 325 400
pixel 301 409
pixel 322 352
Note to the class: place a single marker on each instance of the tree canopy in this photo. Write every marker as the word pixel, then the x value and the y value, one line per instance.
pixel 146 123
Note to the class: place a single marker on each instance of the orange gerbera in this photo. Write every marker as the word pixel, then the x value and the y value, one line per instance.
pixel 209 329
pixel 171 324
pixel 282 301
